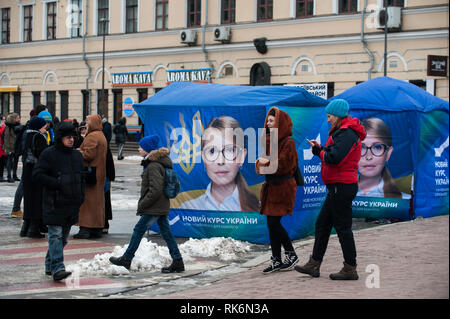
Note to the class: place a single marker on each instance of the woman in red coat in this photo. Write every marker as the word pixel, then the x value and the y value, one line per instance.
pixel 279 191
pixel 339 158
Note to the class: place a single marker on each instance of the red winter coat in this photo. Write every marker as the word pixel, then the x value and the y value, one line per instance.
pixel 2 152
pixel 342 152
pixel 278 198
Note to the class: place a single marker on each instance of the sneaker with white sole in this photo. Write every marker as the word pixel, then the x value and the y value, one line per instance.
pixel 275 265
pixel 290 260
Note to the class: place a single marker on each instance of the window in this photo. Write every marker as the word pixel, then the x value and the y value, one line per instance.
pixel 348 6
pixel 4 100
pixel 131 16
pixel 228 11
pixel 76 18
pixel 194 13
pixel 394 3
pixel 27 23
pixel 51 102
pixel 304 8
pixel 6 25
pixel 162 14
pixel 265 10
pixel 51 20
pixel 103 14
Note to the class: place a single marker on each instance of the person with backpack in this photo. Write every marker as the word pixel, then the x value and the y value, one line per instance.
pixel 279 191
pixel 153 205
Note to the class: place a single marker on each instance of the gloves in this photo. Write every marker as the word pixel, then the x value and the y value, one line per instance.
pixel 316 149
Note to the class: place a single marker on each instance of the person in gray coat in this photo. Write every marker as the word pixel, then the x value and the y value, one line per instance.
pixel 153 205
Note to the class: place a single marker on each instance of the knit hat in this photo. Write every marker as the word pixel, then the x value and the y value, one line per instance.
pixel 338 108
pixel 149 143
pixel 36 123
pixel 46 116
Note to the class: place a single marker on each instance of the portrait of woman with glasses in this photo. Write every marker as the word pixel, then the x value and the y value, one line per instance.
pixel 375 180
pixel 223 158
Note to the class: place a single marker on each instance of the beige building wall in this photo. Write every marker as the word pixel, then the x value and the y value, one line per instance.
pixel 325 48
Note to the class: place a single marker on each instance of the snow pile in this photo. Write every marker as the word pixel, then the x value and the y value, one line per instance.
pixel 133 158
pixel 151 257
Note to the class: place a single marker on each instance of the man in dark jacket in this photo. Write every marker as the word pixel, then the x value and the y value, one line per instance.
pixel 153 206
pixel 60 170
pixel 120 130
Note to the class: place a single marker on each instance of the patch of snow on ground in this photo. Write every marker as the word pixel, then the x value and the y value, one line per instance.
pixel 151 257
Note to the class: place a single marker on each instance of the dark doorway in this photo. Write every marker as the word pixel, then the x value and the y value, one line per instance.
pixel 260 74
pixel 16 98
pixel 64 97
pixel 118 105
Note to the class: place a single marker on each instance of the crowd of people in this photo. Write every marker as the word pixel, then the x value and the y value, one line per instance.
pixel 54 186
pixel 73 167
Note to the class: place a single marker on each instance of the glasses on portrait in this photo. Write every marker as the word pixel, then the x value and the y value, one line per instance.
pixel 376 149
pixel 229 152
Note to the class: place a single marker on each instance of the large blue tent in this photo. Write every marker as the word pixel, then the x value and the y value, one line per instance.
pixel 179 113
pixel 419 124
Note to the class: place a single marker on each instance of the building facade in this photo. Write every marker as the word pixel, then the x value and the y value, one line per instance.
pixel 63 53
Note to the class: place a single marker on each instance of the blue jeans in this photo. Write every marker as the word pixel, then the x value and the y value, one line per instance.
pixel 57 240
pixel 143 225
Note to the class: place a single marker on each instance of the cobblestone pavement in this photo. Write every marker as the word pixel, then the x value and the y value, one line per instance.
pixel 408 260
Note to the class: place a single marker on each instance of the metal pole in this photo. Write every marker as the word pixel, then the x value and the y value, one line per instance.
pixel 103 70
pixel 385 38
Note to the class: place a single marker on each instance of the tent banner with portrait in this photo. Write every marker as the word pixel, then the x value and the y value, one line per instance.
pixel 213 132
pixel 403 172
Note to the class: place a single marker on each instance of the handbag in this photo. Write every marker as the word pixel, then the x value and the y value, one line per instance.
pixel 91 175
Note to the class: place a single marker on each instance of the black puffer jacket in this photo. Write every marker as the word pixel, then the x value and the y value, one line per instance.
pixel 153 201
pixel 60 170
pixel 120 129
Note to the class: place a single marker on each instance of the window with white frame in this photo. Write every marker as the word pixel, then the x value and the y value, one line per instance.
pixel 51 20
pixel 348 6
pixel 228 11
pixel 304 8
pixel 6 25
pixel 28 23
pixel 194 12
pixel 76 18
pixel 162 14
pixel 131 16
pixel 102 17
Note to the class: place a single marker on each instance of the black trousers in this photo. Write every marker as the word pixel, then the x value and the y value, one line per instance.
pixel 278 236
pixel 336 212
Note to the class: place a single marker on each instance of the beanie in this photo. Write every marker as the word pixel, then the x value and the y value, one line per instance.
pixel 338 108
pixel 36 123
pixel 45 115
pixel 149 143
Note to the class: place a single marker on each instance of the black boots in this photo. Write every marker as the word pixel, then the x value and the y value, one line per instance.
pixel 121 261
pixel 312 268
pixel 347 272
pixel 34 231
pixel 60 275
pixel 176 266
pixel 24 229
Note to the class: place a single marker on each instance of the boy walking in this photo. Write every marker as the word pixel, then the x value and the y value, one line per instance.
pixel 60 169
pixel 153 205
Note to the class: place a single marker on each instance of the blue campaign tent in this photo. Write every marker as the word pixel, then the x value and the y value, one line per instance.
pixel 191 106
pixel 419 124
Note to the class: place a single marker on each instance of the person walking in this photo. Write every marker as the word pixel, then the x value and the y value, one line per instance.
pixel 92 212
pixel 9 142
pixel 32 192
pixel 279 191
pixel 121 132
pixel 153 205
pixel 3 156
pixel 339 158
pixel 60 171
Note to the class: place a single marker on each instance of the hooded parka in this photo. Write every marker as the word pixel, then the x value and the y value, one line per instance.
pixel 93 149
pixel 278 197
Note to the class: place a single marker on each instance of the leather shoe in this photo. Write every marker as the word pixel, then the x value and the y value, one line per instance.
pixel 60 275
